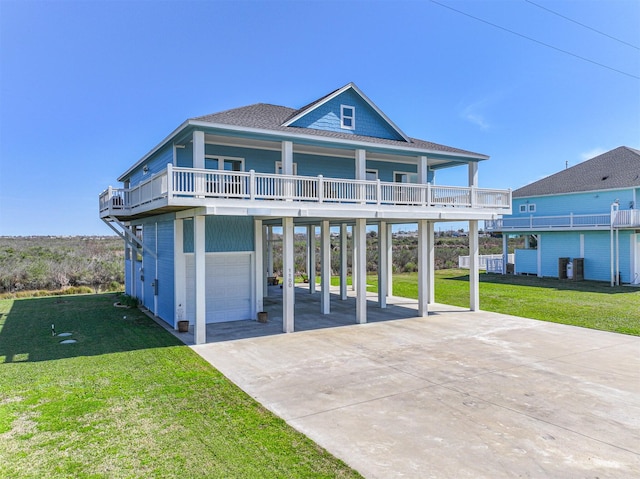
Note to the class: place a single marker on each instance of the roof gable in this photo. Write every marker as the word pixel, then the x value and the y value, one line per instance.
pixel 618 168
pixel 325 114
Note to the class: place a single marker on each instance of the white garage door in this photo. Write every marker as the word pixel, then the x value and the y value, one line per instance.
pixel 227 286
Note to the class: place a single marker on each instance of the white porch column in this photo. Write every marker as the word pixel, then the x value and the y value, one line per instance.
pixel 505 252
pixel 473 174
pixel 325 271
pixel 383 273
pixel 354 258
pixel 474 263
pixel 179 278
pixel 265 263
pixel 287 158
pixel 200 328
pixel 288 266
pixel 431 259
pixel 423 169
pixel 270 250
pixel 389 261
pixel 360 247
pixel 361 164
pixel 311 241
pixel 258 274
pixel 343 261
pixel 423 269
pixel 198 149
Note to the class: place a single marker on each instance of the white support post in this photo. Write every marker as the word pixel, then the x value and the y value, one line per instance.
pixel 505 252
pixel 423 269
pixel 311 240
pixel 270 271
pixel 343 261
pixel 198 149
pixel 389 260
pixel 259 275
pixel 431 259
pixel 382 264
pixel 474 263
pixel 422 170
pixel 354 258
pixel 288 266
pixel 265 263
pixel 200 328
pixel 287 168
pixel 360 248
pixel 325 271
pixel 179 277
pixel 473 174
pixel 361 174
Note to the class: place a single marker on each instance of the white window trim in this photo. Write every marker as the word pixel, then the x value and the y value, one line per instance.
pixel 531 208
pixel 343 117
pixel 523 208
pixel 221 160
pixel 279 168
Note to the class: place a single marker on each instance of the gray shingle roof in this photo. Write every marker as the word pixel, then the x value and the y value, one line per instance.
pixel 618 168
pixel 271 117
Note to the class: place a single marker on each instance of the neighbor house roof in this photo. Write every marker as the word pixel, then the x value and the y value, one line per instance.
pixel 618 168
pixel 273 117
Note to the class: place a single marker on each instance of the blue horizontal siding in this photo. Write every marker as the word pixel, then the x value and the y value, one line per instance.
pixel 222 234
pixel 155 163
pixel 367 121
pixel 576 203
pixel 526 261
pixel 558 245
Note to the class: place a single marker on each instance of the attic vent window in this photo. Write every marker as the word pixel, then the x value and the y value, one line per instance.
pixel 347 117
pixel 605 177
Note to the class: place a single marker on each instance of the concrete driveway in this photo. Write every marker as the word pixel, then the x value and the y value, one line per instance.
pixel 455 395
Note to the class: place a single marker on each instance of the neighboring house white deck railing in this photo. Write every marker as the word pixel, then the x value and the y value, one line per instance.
pixel 621 219
pixel 485 261
pixel 178 186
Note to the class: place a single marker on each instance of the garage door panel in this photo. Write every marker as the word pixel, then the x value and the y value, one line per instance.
pixel 227 287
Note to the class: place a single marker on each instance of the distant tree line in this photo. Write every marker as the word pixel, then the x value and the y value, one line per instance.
pixel 57 263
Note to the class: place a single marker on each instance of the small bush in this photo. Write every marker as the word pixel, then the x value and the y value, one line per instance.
pixel 114 286
pixel 130 301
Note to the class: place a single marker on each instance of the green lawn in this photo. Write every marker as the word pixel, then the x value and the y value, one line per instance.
pixel 128 400
pixel 588 304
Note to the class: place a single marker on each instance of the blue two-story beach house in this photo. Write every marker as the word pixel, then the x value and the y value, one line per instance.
pixel 582 222
pixel 197 212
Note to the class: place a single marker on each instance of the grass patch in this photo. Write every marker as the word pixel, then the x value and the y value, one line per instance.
pixel 588 304
pixel 129 400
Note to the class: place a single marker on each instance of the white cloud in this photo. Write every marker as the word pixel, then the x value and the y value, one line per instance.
pixel 475 112
pixel 587 155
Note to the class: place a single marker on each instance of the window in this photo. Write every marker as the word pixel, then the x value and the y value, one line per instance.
pixel 223 163
pixel 528 208
pixel 347 117
pixel 279 168
pixel 371 175
pixel 404 177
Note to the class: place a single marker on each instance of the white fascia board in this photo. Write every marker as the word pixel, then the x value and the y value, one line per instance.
pixel 168 138
pixel 362 95
pixel 355 144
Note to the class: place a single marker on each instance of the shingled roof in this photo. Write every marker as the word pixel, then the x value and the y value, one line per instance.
pixel 271 117
pixel 618 168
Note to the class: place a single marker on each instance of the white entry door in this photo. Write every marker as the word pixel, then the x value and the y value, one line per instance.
pixel 228 287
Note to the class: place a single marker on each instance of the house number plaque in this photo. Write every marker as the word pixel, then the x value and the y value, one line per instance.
pixel 289 278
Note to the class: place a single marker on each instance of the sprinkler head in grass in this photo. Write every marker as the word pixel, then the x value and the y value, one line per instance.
pixel 124 317
pixel 53 330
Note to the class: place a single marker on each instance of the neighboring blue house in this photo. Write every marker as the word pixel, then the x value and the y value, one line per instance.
pixel 197 212
pixel 589 211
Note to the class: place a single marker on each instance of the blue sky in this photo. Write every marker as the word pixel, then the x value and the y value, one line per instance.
pixel 88 87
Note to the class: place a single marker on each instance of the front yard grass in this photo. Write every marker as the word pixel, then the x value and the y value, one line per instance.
pixel 589 304
pixel 129 400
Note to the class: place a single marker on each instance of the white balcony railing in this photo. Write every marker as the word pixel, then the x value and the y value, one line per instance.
pixel 621 219
pixel 173 186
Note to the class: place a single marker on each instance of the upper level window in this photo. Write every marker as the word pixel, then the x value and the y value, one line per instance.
pixel 403 177
pixel 347 117
pixel 226 163
pixel 371 175
pixel 528 208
